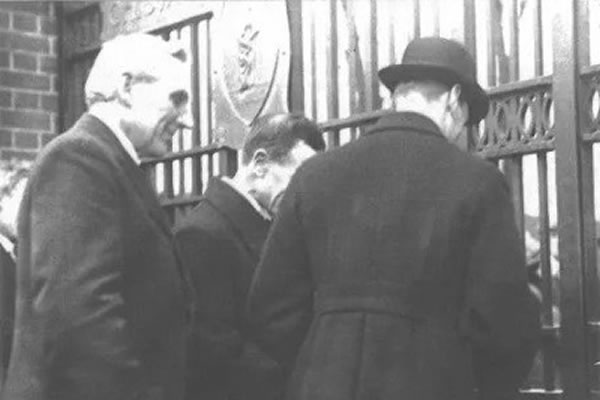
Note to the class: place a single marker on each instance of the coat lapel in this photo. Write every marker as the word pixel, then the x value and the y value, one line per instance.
pixel 246 222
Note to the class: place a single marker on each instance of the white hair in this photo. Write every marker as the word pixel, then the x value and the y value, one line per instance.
pixel 139 55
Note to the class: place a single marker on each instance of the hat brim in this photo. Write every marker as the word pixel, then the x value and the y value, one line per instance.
pixel 474 95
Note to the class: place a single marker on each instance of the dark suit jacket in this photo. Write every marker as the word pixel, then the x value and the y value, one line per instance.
pixel 395 270
pixel 220 242
pixel 101 301
pixel 7 309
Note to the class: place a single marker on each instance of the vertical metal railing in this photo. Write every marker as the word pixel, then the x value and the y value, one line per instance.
pixel 333 137
pixel 374 101
pixel 568 108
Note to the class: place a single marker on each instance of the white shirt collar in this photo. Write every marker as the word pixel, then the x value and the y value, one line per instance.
pixel 244 192
pixel 110 114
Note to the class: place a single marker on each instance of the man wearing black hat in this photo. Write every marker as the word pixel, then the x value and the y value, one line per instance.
pixel 394 269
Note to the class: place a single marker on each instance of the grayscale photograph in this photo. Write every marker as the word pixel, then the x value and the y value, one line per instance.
pixel 300 200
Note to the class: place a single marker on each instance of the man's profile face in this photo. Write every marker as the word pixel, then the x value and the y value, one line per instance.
pixel 157 110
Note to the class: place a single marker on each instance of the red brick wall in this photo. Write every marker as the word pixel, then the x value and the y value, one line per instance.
pixel 28 77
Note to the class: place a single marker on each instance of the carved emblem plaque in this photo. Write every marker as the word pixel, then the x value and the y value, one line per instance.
pixel 251 64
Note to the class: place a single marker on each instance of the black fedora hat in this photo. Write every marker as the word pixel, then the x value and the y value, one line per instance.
pixel 444 61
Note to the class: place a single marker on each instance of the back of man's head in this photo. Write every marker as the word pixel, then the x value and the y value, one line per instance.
pixel 444 105
pixel 277 134
pixel 141 56
pixel 429 90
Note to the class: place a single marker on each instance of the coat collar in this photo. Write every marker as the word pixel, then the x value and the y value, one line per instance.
pixel 139 180
pixel 109 114
pixel 409 121
pixel 253 202
pixel 245 220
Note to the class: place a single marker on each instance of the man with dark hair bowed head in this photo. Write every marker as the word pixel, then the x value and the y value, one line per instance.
pixel 103 307
pixel 220 243
pixel 395 269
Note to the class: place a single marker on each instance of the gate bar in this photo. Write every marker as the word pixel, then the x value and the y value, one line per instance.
pixel 568 121
pixel 375 99
pixel 333 107
pixel 296 81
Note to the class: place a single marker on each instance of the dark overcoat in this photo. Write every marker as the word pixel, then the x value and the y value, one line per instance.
pixel 220 243
pixel 102 306
pixel 395 271
pixel 7 308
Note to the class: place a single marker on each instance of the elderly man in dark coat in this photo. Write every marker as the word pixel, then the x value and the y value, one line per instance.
pixel 102 307
pixel 394 269
pixel 220 243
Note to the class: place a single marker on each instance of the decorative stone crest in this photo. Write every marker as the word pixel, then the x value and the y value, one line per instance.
pixel 251 65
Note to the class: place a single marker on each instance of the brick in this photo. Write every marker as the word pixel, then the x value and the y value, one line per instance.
pixel 24 80
pixel 53 50
pixel 48 64
pixel 4 20
pixel 25 140
pixel 25 119
pixel 24 22
pixel 24 61
pixel 10 154
pixel 20 41
pixel 5 138
pixel 32 7
pixel 48 26
pixel 54 121
pixel 4 59
pixel 5 98
pixel 26 100
pixel 55 83
pixel 50 102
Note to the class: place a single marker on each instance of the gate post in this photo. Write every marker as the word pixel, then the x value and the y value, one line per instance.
pixel 568 128
pixel 296 82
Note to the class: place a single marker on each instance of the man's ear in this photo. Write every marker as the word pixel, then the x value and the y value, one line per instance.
pixel 454 95
pixel 124 89
pixel 455 104
pixel 259 162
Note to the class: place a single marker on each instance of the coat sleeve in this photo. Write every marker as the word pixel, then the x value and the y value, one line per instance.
pixel 281 296
pixel 7 308
pixel 501 317
pixel 76 261
pixel 215 340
